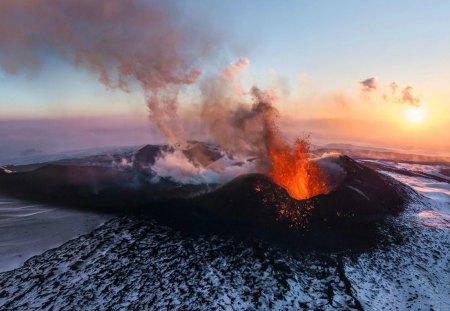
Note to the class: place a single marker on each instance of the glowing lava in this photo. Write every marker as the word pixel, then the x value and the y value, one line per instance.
pixel 294 171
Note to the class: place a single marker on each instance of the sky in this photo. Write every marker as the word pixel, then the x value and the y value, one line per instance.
pixel 314 53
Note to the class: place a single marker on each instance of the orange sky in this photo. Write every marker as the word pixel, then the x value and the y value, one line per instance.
pixel 314 54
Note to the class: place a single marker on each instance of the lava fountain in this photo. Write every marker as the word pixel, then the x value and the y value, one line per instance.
pixel 293 170
pixel 289 166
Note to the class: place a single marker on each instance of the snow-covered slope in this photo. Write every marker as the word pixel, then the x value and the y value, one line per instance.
pixel 134 263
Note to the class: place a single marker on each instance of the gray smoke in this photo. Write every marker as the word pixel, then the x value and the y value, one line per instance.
pixel 122 42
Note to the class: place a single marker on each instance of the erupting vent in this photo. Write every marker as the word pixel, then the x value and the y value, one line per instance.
pixel 295 172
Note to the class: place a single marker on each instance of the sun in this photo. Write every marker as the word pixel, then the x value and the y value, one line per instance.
pixel 415 114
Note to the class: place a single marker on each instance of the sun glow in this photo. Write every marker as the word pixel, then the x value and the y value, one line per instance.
pixel 415 114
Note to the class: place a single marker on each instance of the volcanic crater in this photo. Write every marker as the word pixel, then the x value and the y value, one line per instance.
pixel 248 205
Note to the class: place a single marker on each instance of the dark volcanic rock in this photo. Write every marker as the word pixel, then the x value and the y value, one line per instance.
pixel 198 153
pixel 250 204
pixel 55 182
pixel 202 153
pixel 362 193
pixel 254 204
pixel 147 155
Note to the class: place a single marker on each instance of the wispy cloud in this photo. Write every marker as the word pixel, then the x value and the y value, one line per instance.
pixel 369 85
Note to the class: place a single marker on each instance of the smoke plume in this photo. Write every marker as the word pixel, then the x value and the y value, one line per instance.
pixel 175 166
pixel 232 73
pixel 133 43
pixel 252 129
pixel 237 121
pixel 122 42
pixel 235 69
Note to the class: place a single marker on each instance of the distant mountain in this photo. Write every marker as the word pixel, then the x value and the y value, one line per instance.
pixel 359 152
pixel 30 151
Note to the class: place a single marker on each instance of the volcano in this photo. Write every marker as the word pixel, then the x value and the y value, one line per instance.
pixel 249 205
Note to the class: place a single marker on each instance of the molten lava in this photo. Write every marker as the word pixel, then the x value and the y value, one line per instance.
pixel 295 172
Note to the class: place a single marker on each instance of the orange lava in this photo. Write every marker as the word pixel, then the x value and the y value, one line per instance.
pixel 294 171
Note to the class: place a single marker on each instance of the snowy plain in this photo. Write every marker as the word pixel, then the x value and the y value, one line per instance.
pixel 28 229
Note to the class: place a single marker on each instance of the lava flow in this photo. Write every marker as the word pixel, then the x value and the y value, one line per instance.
pixel 295 172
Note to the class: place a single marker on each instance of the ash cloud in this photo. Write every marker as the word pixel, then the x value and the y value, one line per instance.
pixel 133 43
pixel 240 122
pixel 122 42
pixel 232 73
pixel 236 68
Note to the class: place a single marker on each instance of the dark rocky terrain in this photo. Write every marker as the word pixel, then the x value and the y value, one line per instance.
pixel 134 263
pixel 249 205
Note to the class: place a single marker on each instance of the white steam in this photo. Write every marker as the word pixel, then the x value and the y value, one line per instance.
pixel 176 167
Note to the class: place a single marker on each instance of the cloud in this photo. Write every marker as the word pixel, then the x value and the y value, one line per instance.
pixel 393 87
pixel 368 85
pixel 408 97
